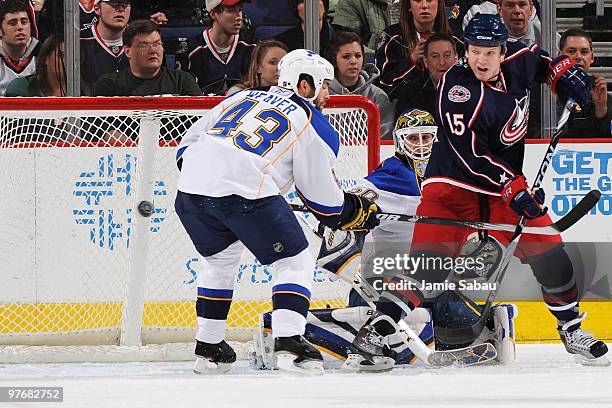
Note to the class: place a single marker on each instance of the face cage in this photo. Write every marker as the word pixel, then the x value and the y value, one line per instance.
pixel 420 151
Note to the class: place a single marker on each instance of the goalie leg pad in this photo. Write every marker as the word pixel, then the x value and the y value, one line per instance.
pixel 503 336
pixel 333 330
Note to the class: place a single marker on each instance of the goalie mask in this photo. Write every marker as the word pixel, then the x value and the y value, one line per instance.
pixel 414 134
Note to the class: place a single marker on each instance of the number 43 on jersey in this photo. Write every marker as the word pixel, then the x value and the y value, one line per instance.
pixel 253 130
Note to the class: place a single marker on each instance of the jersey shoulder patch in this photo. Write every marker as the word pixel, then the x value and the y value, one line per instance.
pixel 460 91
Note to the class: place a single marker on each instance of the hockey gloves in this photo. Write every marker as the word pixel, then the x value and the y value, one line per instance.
pixel 516 194
pixel 569 81
pixel 363 217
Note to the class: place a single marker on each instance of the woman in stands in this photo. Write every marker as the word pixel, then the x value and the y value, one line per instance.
pixel 263 69
pixel 399 56
pixel 353 77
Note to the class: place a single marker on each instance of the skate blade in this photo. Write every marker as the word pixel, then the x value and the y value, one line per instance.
pixel 377 364
pixel 593 362
pixel 204 366
pixel 286 362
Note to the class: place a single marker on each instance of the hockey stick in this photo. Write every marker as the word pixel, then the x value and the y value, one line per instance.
pixel 471 355
pixel 467 334
pixel 553 229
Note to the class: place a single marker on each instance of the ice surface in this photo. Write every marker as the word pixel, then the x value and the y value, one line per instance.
pixel 543 376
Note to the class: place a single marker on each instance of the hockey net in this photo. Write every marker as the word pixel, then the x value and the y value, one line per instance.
pixel 81 267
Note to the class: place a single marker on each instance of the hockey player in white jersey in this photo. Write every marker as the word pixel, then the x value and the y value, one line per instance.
pixel 235 164
pixel 395 186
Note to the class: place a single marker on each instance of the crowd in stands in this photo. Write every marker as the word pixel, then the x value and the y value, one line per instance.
pixel 392 51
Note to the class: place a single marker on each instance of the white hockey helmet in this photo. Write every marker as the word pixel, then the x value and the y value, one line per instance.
pixel 414 134
pixel 299 62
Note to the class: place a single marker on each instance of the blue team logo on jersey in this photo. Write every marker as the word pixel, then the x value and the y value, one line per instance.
pixel 459 94
pixel 516 127
pixel 113 178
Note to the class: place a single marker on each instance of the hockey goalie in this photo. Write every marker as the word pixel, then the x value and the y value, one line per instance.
pixel 395 187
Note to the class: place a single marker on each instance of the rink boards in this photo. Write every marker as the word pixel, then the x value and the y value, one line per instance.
pixel 72 235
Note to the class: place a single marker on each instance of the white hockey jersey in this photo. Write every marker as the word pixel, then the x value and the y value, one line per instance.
pixel 256 143
pixel 394 187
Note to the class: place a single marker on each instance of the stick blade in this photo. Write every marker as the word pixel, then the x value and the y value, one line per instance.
pixel 580 210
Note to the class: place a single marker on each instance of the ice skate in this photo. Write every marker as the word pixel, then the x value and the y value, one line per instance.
pixel 213 358
pixel 369 351
pixel 587 348
pixel 296 354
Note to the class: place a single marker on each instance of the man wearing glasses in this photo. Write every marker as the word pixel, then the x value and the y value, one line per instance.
pixel 218 58
pixel 146 75
pixel 102 45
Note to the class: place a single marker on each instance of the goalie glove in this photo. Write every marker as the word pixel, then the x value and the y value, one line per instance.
pixel 339 249
pixel 363 217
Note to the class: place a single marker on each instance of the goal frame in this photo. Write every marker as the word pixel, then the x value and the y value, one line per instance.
pixel 134 301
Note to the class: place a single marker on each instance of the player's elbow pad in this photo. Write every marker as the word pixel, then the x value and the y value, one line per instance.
pixel 358 214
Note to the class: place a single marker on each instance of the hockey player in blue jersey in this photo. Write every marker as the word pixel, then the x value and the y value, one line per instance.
pixel 475 172
pixel 235 164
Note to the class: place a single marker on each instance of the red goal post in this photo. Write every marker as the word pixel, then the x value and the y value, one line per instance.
pixel 81 267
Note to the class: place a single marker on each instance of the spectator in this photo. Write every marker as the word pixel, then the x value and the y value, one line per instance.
pixel 439 54
pixel 352 77
pixel 593 121
pixel 18 48
pixel 368 18
pixel 218 58
pixel 165 12
pixel 102 45
pixel 521 20
pixel 51 17
pixel 462 12
pixel 49 79
pixel 263 69
pixel 294 37
pixel 32 6
pixel 400 57
pixel 146 75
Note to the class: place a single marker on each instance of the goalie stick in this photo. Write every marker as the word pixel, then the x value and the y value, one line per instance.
pixel 471 355
pixel 563 224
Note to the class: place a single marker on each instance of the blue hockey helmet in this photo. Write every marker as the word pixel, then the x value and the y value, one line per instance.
pixel 487 30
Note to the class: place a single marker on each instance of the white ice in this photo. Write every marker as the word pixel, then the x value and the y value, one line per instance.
pixel 543 376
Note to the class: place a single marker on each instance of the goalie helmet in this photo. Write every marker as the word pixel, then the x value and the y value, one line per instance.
pixel 299 62
pixel 414 134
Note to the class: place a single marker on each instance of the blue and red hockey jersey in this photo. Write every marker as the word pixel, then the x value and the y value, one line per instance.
pixel 483 124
